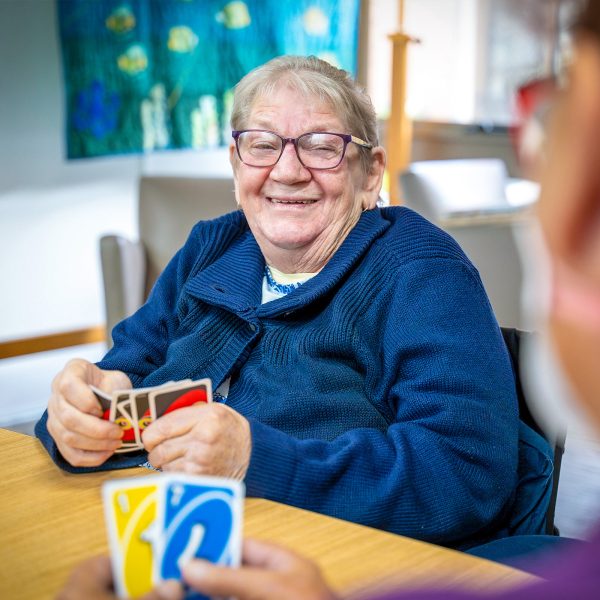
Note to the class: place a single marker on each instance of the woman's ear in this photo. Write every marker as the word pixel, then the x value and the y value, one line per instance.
pixel 373 179
pixel 233 159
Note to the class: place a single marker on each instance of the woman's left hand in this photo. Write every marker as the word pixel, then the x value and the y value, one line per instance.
pixel 204 439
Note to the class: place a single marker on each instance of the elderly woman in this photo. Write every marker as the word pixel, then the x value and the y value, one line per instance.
pixel 359 367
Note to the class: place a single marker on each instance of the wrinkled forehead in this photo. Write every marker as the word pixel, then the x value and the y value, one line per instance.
pixel 268 100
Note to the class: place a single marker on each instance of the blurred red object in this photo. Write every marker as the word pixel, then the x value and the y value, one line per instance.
pixel 532 104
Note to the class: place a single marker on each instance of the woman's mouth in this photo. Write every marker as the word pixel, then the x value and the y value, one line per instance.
pixel 291 200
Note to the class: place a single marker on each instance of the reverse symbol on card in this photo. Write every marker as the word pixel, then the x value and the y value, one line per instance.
pixel 134 513
pixel 199 525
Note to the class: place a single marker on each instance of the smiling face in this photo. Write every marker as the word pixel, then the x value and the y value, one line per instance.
pixel 298 216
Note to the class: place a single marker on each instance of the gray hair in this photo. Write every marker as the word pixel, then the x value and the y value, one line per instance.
pixel 310 76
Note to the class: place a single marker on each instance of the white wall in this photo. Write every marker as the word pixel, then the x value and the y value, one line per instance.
pixel 52 211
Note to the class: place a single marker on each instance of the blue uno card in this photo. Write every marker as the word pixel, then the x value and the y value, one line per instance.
pixel 200 517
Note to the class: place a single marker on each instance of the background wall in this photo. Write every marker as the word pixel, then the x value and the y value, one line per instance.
pixel 52 212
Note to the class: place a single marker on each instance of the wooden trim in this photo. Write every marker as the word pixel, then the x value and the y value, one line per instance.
pixel 52 341
pixel 399 126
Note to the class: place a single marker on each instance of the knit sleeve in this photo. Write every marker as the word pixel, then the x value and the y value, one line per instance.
pixel 141 341
pixel 445 469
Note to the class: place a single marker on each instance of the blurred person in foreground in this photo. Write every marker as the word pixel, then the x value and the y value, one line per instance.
pixel 569 214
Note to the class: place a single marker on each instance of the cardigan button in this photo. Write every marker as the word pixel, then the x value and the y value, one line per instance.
pixel 252 326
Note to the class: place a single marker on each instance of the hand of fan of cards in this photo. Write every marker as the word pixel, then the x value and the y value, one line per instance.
pixel 157 523
pixel 135 409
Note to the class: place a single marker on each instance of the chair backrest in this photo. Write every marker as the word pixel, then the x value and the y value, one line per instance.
pixel 168 209
pixel 440 188
pixel 513 339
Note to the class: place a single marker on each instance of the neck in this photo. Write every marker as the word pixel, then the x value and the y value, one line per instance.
pixel 304 259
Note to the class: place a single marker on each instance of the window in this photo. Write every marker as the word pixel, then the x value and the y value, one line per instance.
pixel 472 55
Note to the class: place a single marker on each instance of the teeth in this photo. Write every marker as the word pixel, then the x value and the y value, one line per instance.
pixel 276 201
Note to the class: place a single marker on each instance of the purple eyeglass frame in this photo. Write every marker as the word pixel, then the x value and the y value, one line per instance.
pixel 346 137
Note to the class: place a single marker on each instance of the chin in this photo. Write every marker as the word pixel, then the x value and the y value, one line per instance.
pixel 291 243
pixel 290 238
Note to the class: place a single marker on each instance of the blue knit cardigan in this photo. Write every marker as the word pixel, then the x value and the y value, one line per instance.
pixel 380 391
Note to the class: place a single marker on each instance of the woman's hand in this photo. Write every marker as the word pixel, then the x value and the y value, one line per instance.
pixel 269 572
pixel 92 580
pixel 74 414
pixel 207 439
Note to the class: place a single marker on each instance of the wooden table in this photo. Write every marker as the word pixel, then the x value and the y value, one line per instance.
pixel 51 520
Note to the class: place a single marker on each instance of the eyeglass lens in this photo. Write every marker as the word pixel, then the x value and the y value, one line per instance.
pixel 315 150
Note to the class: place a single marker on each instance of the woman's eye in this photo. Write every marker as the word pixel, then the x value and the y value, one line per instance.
pixel 263 146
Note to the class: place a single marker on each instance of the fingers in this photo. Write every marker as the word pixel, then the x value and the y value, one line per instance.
pixel 204 439
pixel 72 419
pixel 167 590
pixel 257 553
pixel 72 384
pixel 270 572
pixel 172 425
pixel 92 580
pixel 82 437
pixel 245 583
pixel 168 456
pixel 100 569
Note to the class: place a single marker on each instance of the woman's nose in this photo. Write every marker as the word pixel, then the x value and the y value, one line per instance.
pixel 289 169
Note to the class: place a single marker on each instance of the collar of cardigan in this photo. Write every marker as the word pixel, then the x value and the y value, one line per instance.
pixel 234 280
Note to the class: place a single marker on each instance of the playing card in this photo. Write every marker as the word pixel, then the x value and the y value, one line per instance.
pixel 130 512
pixel 123 412
pixel 142 405
pixel 199 517
pixel 134 409
pixel 104 399
pixel 157 523
pixel 184 394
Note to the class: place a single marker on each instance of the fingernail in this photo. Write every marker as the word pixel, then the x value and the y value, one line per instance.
pixel 195 567
pixel 169 589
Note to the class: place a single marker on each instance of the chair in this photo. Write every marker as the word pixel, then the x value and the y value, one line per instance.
pixel 518 549
pixel 513 339
pixel 439 189
pixel 168 207
pixel 467 199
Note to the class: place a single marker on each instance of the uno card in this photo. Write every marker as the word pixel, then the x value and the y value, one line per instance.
pixel 104 399
pixel 130 513
pixel 142 407
pixel 188 394
pixel 199 517
pixel 157 523
pixel 134 409
pixel 123 412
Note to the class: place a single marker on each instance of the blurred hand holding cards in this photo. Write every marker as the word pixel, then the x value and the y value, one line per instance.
pixel 157 523
pixel 134 409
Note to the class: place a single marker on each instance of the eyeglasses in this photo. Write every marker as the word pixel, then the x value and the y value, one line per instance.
pixel 315 150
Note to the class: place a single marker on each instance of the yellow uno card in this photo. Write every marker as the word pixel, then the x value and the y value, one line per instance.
pixel 130 514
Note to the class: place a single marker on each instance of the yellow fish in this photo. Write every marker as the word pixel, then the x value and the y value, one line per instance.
pixel 134 60
pixel 182 39
pixel 235 15
pixel 316 22
pixel 121 20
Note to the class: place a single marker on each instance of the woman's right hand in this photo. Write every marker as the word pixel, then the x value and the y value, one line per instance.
pixel 75 416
